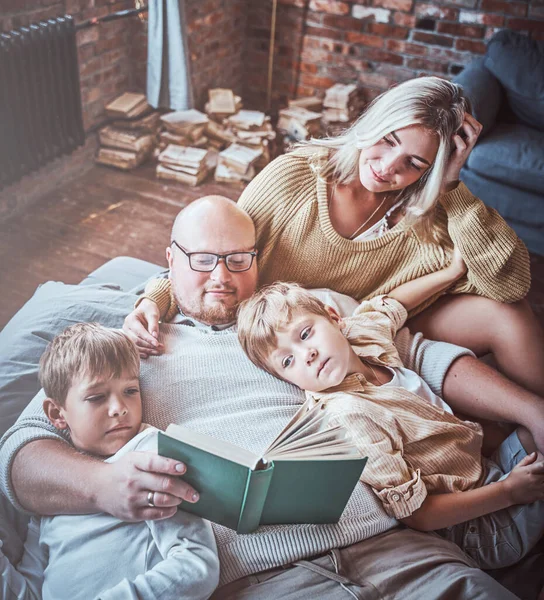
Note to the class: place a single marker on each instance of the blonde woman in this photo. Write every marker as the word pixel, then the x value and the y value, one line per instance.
pixel 381 204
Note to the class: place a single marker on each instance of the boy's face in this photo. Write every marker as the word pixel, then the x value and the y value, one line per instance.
pixel 101 414
pixel 313 353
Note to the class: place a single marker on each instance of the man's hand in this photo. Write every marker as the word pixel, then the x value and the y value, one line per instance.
pixel 525 484
pixel 471 130
pixel 127 484
pixel 142 327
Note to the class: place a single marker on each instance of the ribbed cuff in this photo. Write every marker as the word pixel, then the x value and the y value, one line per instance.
pixel 458 201
pixel 430 360
pixel 157 290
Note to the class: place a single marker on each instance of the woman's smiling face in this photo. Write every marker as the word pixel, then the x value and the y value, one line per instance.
pixel 399 159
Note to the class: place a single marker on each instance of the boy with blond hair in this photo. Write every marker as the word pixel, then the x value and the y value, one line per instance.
pixel 424 463
pixel 90 376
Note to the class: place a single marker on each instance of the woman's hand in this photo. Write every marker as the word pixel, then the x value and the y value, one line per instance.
pixel 458 266
pixel 462 148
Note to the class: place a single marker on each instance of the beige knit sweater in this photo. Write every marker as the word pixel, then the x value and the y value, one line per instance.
pixel 297 242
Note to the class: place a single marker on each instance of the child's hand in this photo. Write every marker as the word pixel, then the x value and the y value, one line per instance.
pixel 525 484
pixel 458 266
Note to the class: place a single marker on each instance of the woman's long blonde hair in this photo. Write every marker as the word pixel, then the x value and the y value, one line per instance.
pixel 436 104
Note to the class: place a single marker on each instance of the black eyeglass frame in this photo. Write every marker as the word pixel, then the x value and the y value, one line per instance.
pixel 218 257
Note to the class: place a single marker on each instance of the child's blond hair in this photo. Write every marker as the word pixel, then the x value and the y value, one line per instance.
pixel 88 349
pixel 270 309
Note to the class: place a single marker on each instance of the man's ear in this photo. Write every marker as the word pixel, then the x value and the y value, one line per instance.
pixel 169 257
pixel 335 315
pixel 54 413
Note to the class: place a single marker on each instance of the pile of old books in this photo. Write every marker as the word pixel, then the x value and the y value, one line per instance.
pixel 184 128
pixel 299 123
pixel 131 137
pixel 237 164
pixel 252 128
pixel 184 164
pixel 342 104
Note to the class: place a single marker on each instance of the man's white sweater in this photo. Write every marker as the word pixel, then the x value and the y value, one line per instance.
pixel 204 381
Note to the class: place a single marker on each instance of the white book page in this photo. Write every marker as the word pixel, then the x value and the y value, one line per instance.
pixel 214 446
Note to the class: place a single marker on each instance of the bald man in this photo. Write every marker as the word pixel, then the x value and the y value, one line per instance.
pixel 204 381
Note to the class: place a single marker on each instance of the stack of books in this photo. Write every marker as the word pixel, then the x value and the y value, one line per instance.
pixel 342 103
pixel 299 123
pixel 237 164
pixel 253 129
pixel 222 103
pixel 313 103
pixel 184 128
pixel 128 106
pixel 184 164
pixel 132 136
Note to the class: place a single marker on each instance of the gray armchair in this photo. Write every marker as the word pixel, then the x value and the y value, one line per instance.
pixel 506 167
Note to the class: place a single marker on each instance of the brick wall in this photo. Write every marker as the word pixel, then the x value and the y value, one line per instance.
pixel 106 65
pixel 216 39
pixel 376 42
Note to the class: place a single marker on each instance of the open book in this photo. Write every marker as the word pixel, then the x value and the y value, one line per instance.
pixel 306 475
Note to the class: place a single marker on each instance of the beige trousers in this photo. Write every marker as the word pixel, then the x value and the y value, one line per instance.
pixel 400 564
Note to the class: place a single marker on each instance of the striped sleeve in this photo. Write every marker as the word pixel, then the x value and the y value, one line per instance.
pixel 382 314
pixel 159 291
pixel 497 260
pixel 396 483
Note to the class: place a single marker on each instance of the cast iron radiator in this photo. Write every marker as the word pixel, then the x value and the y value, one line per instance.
pixel 40 99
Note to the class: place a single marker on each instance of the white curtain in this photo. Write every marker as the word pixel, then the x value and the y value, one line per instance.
pixel 168 75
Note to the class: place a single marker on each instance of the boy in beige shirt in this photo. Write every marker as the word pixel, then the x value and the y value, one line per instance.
pixel 424 463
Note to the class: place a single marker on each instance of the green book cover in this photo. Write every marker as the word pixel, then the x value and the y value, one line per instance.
pixel 307 477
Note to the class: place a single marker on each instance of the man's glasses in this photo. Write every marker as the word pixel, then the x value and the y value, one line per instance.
pixel 236 262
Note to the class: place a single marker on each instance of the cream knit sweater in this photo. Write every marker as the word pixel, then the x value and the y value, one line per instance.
pixel 297 242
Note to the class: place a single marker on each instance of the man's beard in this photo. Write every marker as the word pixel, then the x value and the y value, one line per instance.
pixel 215 314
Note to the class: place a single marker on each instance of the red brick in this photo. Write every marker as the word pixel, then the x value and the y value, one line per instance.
pixel 297 3
pixel 308 68
pixel 525 25
pixel 382 56
pixel 88 36
pixel 315 55
pixel 380 15
pixel 470 46
pixel 332 34
pixel 91 66
pixel 396 72
pixel 505 6
pixel 375 80
pixel 424 64
pixel 461 30
pixel 481 18
pixel 437 12
pixel 332 7
pixel 342 22
pixel 403 5
pixel 404 20
pixel 317 82
pixel 451 56
pixel 432 38
pixel 389 31
pixel 364 39
pixel 406 48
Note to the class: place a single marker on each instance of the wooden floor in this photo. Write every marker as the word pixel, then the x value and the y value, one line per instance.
pixel 103 214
